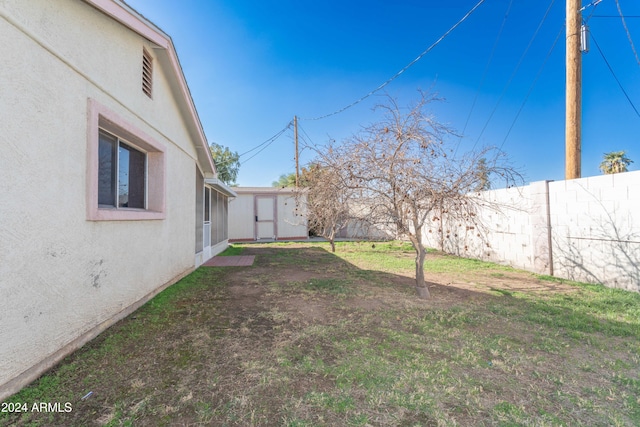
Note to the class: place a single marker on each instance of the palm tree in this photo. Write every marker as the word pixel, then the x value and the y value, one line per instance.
pixel 615 162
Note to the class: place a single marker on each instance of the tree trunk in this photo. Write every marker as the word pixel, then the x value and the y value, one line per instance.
pixel 421 253
pixel 331 237
pixel 421 286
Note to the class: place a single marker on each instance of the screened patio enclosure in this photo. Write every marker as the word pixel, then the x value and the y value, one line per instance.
pixel 212 208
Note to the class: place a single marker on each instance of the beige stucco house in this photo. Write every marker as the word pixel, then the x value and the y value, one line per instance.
pixel 108 191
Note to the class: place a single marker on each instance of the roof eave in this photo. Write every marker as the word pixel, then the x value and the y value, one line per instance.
pixel 127 16
pixel 220 187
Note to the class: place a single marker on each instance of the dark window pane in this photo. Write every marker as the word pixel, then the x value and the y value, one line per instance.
pixel 207 216
pixel 214 220
pixel 131 177
pixel 225 213
pixel 137 179
pixel 220 217
pixel 107 169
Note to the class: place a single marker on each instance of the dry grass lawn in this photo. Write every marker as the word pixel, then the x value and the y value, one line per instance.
pixel 308 338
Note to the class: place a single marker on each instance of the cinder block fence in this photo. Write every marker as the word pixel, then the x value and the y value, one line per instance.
pixel 584 229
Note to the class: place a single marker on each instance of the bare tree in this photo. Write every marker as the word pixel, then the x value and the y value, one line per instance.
pixel 404 174
pixel 326 201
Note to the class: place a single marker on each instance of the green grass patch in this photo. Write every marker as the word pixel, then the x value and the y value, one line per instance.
pixel 232 250
pixel 450 263
pixel 317 339
pixel 339 404
pixel 591 308
pixel 334 286
pixel 380 256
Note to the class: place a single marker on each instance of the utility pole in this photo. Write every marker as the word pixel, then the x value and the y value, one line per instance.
pixel 295 139
pixel 573 118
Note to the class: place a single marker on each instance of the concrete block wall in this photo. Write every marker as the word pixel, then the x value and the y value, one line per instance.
pixel 596 229
pixel 585 229
pixel 500 231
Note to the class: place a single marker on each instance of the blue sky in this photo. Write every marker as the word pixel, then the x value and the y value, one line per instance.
pixel 251 66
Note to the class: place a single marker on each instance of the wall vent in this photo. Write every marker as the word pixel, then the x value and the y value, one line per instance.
pixel 147 72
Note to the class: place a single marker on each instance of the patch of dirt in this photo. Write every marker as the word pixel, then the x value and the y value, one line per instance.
pixel 248 349
pixel 306 310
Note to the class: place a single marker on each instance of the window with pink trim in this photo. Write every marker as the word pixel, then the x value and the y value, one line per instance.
pixel 126 169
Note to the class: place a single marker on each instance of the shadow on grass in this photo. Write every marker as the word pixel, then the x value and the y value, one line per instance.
pixel 593 308
pixel 193 354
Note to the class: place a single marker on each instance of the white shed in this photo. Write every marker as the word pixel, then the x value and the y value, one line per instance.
pixel 266 213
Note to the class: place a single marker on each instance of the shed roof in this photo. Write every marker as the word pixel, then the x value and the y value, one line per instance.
pixel 264 190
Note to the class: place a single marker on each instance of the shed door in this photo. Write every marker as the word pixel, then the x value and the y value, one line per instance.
pixel 265 217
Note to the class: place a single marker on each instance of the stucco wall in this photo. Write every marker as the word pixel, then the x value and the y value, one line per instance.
pixel 592 226
pixel 60 274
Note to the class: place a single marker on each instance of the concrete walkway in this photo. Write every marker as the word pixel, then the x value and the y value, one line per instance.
pixel 230 261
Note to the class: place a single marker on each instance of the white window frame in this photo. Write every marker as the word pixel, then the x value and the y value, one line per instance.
pixel 119 142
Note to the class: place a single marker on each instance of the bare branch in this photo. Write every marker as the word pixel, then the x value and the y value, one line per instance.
pixel 399 173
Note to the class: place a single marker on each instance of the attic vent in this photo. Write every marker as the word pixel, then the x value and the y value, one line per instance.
pixel 147 69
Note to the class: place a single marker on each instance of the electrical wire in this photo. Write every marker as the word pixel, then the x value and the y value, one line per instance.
pixel 405 68
pixel 308 138
pixel 484 74
pixel 624 24
pixel 615 16
pixel 268 142
pixel 515 71
pixel 532 86
pixel 260 151
pixel 593 3
pixel 614 75
pixel 595 6
pixel 303 143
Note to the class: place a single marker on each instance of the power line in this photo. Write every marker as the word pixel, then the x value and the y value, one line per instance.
pixel 260 151
pixel 409 65
pixel 532 86
pixel 484 74
pixel 515 71
pixel 595 6
pixel 269 141
pixel 624 24
pixel 614 75
pixel 615 16
pixel 308 138
pixel 593 3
